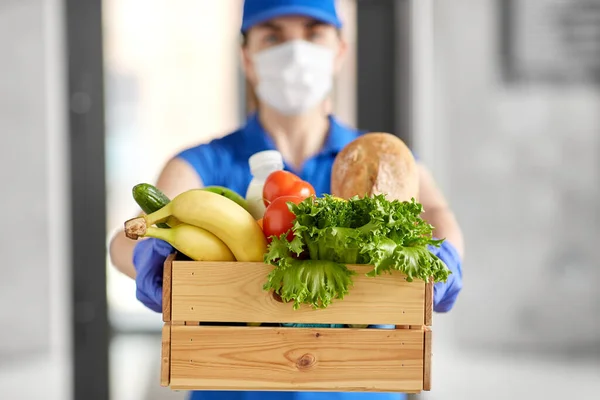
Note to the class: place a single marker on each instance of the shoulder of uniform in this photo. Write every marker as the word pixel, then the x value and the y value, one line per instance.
pixel 231 139
pixel 348 129
pixel 218 144
pixel 350 133
pixel 208 158
pixel 341 135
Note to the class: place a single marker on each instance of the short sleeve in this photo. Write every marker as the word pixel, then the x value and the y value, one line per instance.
pixel 205 161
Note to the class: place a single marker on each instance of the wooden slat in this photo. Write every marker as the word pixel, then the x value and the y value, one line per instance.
pixel 429 302
pixel 165 365
pixel 427 361
pixel 299 359
pixel 233 292
pixel 167 287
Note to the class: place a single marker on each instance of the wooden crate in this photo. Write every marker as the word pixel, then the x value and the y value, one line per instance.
pixel 202 351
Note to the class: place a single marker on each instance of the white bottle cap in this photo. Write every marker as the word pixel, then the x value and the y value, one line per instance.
pixel 268 159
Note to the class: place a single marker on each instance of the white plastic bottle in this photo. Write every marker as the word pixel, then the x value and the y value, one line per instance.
pixel 262 164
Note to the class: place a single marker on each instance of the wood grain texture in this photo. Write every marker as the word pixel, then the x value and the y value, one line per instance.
pixel 299 359
pixel 427 354
pixel 165 365
pixel 429 303
pixel 233 292
pixel 167 287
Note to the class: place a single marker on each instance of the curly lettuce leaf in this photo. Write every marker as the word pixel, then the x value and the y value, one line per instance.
pixel 330 233
pixel 390 235
pixel 313 282
pixel 414 262
pixel 280 249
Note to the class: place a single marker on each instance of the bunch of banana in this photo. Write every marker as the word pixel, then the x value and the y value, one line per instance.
pixel 151 199
pixel 205 225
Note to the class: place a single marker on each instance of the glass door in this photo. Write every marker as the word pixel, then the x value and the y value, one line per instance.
pixel 172 80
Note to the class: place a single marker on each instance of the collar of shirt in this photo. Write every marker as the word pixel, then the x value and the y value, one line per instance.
pixel 257 139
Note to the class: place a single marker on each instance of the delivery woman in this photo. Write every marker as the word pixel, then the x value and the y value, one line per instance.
pixel 291 53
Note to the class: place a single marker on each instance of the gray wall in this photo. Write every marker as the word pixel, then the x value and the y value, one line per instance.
pixel 34 287
pixel 520 166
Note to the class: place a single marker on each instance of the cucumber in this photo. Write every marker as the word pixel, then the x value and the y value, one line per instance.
pixel 150 199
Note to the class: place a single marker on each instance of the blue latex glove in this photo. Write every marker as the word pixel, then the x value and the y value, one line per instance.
pixel 446 293
pixel 149 256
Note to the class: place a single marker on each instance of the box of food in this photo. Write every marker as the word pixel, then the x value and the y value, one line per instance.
pixel 224 331
pixel 299 292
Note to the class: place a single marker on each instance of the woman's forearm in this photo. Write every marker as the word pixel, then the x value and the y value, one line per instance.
pixel 445 227
pixel 121 254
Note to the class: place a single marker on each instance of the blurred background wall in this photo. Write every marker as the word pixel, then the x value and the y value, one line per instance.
pixel 520 163
pixel 514 144
pixel 34 288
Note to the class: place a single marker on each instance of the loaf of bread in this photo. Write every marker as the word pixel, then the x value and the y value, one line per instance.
pixel 375 163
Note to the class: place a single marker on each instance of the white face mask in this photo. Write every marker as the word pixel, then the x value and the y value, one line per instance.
pixel 295 76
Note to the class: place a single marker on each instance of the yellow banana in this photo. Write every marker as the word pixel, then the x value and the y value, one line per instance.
pixel 196 243
pixel 217 214
pixel 171 221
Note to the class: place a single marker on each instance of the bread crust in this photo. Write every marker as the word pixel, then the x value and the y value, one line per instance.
pixel 375 163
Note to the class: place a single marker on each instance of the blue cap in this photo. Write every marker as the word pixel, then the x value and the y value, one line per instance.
pixel 259 11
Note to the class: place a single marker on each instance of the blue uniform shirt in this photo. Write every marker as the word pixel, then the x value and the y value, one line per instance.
pixel 224 162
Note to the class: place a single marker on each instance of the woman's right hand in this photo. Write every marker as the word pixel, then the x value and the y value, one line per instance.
pixel 149 257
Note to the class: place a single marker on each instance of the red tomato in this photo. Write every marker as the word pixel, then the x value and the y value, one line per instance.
pixel 284 183
pixel 278 219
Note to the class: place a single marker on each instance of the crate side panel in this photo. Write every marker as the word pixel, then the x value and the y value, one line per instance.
pixel 427 361
pixel 429 303
pixel 165 365
pixel 166 294
pixel 299 359
pixel 233 292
